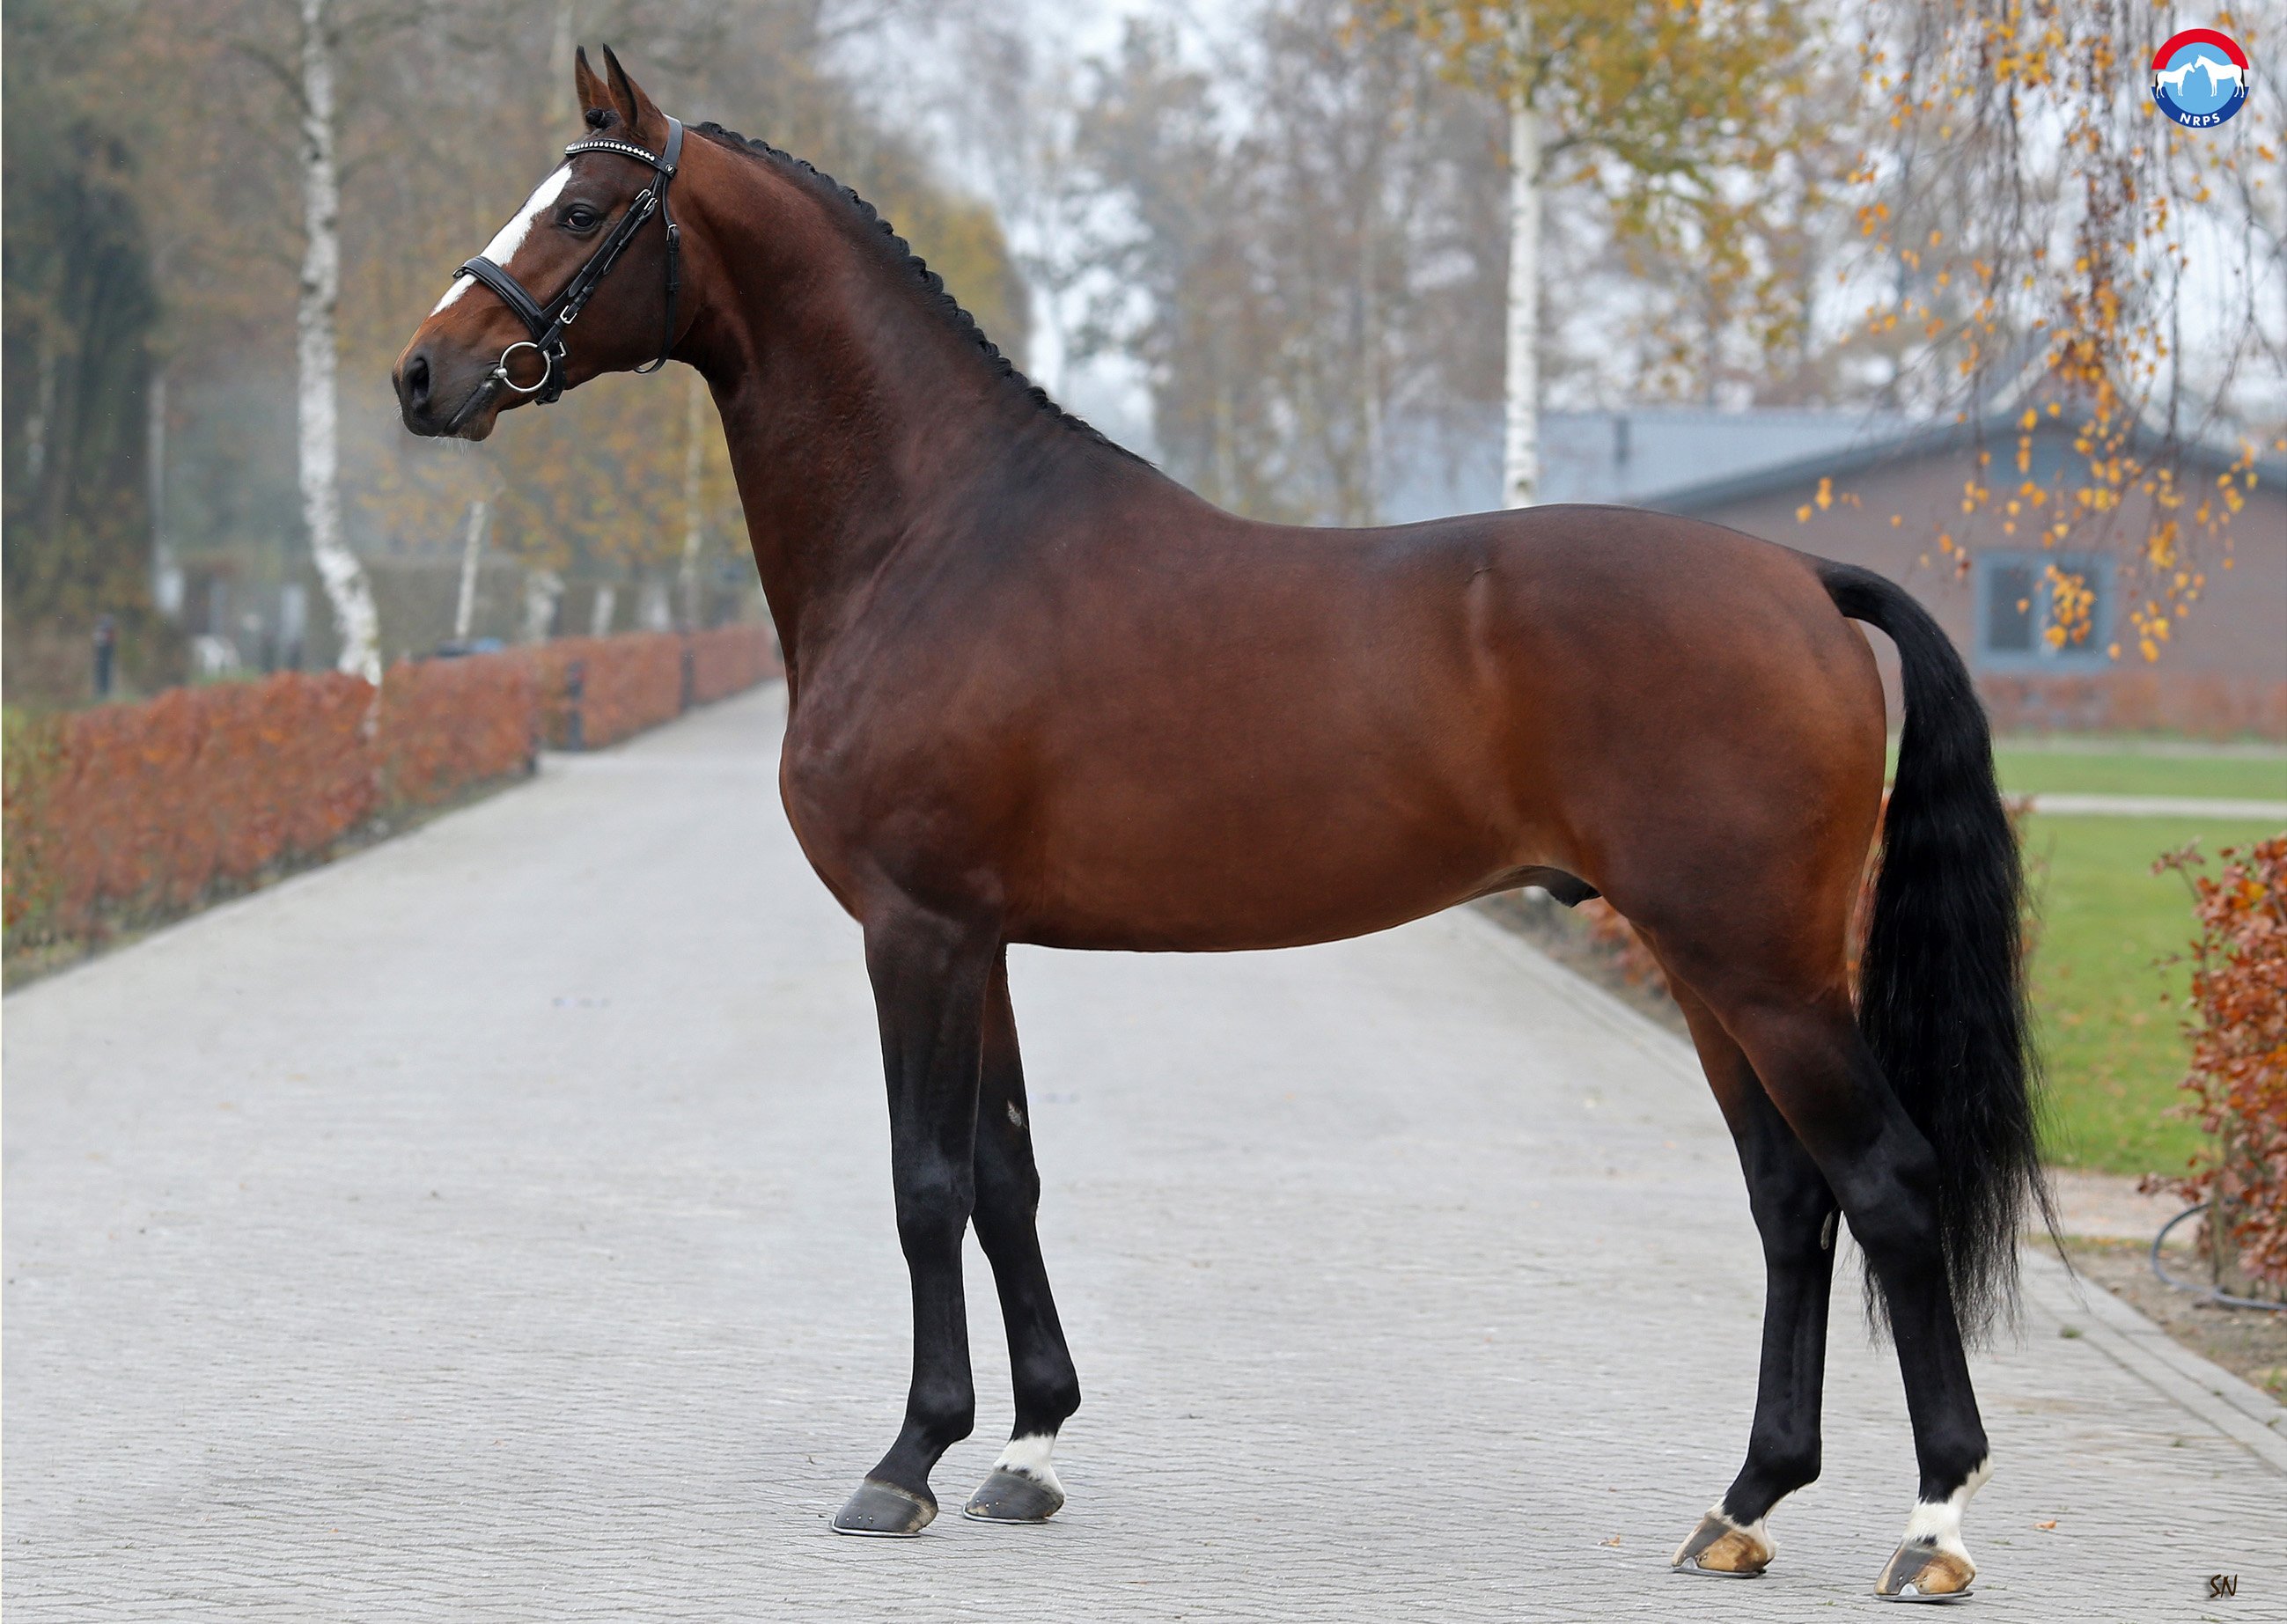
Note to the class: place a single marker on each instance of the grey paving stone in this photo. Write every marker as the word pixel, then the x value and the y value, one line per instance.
pixel 496 1226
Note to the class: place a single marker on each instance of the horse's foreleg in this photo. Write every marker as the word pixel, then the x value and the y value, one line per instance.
pixel 1795 1213
pixel 930 975
pixel 1820 1075
pixel 1023 1487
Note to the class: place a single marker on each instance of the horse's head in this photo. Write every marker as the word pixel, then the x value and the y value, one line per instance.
pixel 505 334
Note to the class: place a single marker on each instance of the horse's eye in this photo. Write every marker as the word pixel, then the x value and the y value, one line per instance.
pixel 579 217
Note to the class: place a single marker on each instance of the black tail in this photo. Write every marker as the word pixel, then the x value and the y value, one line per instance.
pixel 1942 984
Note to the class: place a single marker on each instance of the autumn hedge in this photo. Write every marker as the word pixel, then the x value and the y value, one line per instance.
pixel 2238 1079
pixel 132 812
pixel 145 809
pixel 623 686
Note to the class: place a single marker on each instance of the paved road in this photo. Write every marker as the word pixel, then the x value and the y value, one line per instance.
pixel 497 1226
pixel 2156 806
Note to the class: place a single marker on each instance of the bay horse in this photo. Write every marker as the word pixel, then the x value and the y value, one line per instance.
pixel 1038 692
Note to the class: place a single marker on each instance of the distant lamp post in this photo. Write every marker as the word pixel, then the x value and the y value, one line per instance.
pixel 293 623
pixel 107 650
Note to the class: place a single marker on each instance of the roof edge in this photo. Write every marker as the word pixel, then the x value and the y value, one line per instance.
pixel 1927 439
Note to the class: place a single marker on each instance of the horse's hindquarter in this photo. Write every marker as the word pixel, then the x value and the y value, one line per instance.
pixel 1711 724
pixel 1234 735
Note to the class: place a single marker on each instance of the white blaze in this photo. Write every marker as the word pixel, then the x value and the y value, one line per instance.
pixel 510 237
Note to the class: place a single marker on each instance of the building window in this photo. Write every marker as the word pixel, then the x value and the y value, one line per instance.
pixel 2043 611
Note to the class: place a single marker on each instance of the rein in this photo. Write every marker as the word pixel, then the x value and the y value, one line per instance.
pixel 547 323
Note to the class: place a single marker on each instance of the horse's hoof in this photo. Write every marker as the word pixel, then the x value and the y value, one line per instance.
pixel 1720 1548
pixel 1922 1570
pixel 1014 1497
pixel 884 1511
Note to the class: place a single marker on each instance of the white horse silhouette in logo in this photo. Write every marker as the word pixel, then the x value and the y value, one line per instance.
pixel 2216 72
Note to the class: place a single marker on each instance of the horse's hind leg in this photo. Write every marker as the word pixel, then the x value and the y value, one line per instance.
pixel 1818 1072
pixel 1795 1213
pixel 1022 1486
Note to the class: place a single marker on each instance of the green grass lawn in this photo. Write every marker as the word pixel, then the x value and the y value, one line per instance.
pixel 2115 1052
pixel 2239 777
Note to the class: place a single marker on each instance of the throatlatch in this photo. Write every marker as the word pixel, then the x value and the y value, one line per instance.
pixel 547 323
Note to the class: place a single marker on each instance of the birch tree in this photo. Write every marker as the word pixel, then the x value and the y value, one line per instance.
pixel 1671 108
pixel 1521 330
pixel 2041 240
pixel 316 356
pixel 1306 283
pixel 472 554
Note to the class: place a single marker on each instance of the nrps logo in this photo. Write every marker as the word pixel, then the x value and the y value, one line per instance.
pixel 2199 78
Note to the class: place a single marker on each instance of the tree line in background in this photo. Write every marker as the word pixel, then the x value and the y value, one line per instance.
pixel 1323 241
pixel 166 228
pixel 1401 216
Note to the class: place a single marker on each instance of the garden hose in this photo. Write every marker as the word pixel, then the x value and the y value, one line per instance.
pixel 2211 1292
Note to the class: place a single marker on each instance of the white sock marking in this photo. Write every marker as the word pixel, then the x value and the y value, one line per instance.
pixel 1939 1521
pixel 1759 1530
pixel 510 237
pixel 1028 1456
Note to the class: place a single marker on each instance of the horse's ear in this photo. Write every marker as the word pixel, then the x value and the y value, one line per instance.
pixel 644 122
pixel 595 95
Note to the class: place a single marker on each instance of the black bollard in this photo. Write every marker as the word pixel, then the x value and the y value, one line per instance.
pixel 107 648
pixel 689 677
pixel 575 688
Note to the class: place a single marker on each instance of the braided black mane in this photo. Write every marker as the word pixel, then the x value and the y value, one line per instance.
pixel 935 294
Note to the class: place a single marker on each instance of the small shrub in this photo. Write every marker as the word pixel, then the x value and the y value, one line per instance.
pixel 449 724
pixel 2238 1032
pixel 628 684
pixel 635 681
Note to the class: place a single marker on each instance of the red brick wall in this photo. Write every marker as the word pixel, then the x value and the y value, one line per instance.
pixel 2222 674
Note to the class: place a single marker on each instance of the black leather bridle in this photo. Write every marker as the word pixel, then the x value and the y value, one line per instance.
pixel 547 323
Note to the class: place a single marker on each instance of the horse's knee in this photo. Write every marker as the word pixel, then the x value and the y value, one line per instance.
pixel 935 1199
pixel 1007 1183
pixel 1793 1210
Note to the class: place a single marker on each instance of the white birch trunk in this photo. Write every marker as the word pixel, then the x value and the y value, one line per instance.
pixel 601 612
pixel 166 574
pixel 694 507
pixel 542 589
pixel 346 589
pixel 1521 392
pixel 472 552
pixel 1370 373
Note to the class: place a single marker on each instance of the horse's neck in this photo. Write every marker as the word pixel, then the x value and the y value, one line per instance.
pixel 858 420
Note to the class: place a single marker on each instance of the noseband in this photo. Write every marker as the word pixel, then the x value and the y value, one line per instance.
pixel 547 323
